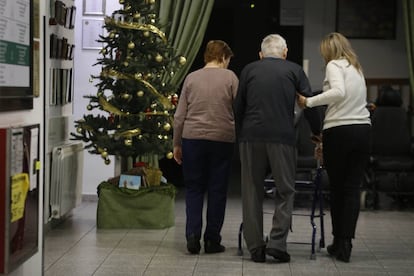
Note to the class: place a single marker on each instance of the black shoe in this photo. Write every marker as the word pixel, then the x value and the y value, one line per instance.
pixel 193 245
pixel 258 255
pixel 344 250
pixel 213 247
pixel 282 256
pixel 333 248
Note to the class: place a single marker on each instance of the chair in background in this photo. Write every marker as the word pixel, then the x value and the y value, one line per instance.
pixel 391 168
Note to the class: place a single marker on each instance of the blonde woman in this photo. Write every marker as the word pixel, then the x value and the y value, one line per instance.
pixel 346 137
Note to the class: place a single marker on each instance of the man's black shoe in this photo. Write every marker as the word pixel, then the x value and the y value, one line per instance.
pixel 258 255
pixel 282 256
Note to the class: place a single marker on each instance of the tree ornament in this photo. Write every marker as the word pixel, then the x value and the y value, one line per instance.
pixel 167 127
pixel 128 142
pixel 165 137
pixel 79 130
pixel 137 15
pixel 107 161
pixel 131 45
pixel 104 154
pixel 158 58
pixel 103 51
pixel 174 99
pixel 146 34
pixel 138 75
pixel 121 2
pixel 126 63
pixel 140 93
pixel 89 107
pixel 149 75
pixel 111 118
pixel 170 155
pixel 112 35
pixel 182 60
pixel 150 1
pixel 125 96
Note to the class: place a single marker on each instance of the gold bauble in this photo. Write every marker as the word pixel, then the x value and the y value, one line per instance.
pixel 140 93
pixel 149 75
pixel 107 161
pixel 137 15
pixel 89 107
pixel 138 75
pixel 165 137
pixel 103 51
pixel 126 63
pixel 182 60
pixel 150 1
pixel 111 35
pixel 158 58
pixel 167 127
pixel 121 1
pixel 128 142
pixel 131 45
pixel 170 155
pixel 104 154
pixel 79 130
pixel 126 96
pixel 146 34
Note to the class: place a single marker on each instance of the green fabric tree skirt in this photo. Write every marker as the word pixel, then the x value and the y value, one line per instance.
pixel 146 208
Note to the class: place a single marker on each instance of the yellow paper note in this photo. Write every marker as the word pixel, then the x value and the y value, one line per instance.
pixel 19 189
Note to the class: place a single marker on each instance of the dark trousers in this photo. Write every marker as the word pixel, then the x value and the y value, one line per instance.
pixel 206 170
pixel 346 155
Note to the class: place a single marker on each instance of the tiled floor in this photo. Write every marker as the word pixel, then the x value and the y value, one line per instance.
pixel 384 246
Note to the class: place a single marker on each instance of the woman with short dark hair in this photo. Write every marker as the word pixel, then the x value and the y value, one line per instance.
pixel 203 143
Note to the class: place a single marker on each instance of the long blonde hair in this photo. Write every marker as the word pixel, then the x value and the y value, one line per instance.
pixel 337 46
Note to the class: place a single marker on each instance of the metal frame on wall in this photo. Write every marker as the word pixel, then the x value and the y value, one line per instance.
pixel 16 56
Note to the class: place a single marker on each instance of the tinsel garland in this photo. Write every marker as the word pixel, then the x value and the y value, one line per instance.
pixel 113 73
pixel 136 26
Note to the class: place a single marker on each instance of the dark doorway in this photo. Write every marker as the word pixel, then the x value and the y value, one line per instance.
pixel 243 24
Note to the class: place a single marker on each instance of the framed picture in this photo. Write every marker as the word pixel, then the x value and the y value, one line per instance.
pixel 93 7
pixel 366 19
pixel 91 29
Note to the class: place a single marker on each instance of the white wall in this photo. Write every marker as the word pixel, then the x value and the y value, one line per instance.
pixel 95 171
pixel 33 266
pixel 379 58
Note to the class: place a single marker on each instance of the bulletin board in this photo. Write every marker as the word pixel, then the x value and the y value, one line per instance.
pixel 16 55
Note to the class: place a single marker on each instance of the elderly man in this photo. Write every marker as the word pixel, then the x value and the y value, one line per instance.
pixel 264 117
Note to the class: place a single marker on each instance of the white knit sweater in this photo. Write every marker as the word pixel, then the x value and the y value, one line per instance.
pixel 344 92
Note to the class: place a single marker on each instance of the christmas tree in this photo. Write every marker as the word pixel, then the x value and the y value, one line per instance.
pixel 133 88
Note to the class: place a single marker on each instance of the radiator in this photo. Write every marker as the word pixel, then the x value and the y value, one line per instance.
pixel 66 178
